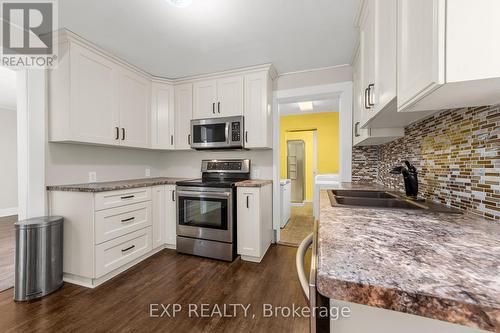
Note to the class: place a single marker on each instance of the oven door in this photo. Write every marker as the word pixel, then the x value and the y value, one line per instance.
pixel 205 214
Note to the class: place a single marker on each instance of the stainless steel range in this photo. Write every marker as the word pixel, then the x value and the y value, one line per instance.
pixel 206 209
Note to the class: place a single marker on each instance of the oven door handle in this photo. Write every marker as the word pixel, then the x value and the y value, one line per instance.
pixel 199 194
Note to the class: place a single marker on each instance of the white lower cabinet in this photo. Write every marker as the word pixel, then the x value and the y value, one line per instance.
pixel 106 233
pixel 254 222
pixel 164 216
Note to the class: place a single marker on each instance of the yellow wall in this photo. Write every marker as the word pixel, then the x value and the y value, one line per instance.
pixel 327 126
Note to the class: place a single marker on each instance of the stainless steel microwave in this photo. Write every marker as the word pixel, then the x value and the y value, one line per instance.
pixel 218 133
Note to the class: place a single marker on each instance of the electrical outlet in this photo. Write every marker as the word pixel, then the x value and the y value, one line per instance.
pixel 92 177
pixel 147 172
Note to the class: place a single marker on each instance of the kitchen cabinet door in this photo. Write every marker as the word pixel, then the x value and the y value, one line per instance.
pixel 93 107
pixel 248 229
pixel 183 115
pixel 170 216
pixel 162 116
pixel 230 96
pixel 257 113
pixel 420 49
pixel 367 58
pixel 134 104
pixel 159 216
pixel 205 99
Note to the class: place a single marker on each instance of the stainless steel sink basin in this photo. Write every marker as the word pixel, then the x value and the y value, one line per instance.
pixel 383 199
pixel 376 202
pixel 363 194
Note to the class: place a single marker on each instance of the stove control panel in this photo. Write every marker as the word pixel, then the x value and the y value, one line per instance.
pixel 240 166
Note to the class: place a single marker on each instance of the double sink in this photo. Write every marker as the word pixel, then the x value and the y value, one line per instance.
pixel 384 199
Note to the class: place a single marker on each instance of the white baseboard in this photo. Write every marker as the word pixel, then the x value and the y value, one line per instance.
pixel 8 211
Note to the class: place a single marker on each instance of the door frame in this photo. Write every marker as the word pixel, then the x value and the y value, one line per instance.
pixel 342 91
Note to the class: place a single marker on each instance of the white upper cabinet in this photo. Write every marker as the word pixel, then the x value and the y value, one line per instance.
pixel 204 99
pixel 222 97
pixel 367 57
pixel 230 96
pixel 448 54
pixel 183 115
pixel 82 97
pixel 257 111
pixel 134 97
pixel 95 99
pixel 162 116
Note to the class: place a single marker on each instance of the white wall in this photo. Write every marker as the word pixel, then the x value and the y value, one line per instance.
pixel 314 77
pixel 71 163
pixel 188 163
pixel 8 161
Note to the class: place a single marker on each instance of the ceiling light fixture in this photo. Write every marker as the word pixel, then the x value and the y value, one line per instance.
pixel 180 3
pixel 306 106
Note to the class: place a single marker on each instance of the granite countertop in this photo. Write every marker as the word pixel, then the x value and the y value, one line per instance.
pixel 441 266
pixel 135 183
pixel 115 185
pixel 254 183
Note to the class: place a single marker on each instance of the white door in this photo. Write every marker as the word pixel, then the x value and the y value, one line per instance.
pixel 94 108
pixel 230 96
pixel 159 217
pixel 183 115
pixel 418 48
pixel 256 117
pixel 134 102
pixel 162 116
pixel 170 216
pixel 205 99
pixel 248 238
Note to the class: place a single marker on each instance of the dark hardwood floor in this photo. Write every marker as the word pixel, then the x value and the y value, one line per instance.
pixel 123 304
pixel 7 251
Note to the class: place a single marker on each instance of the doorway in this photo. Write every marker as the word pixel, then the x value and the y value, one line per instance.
pixel 8 175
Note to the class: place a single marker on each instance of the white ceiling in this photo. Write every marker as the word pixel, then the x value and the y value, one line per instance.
pixel 8 96
pixel 215 35
pixel 323 105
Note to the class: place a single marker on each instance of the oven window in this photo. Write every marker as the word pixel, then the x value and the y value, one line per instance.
pixel 203 212
pixel 209 133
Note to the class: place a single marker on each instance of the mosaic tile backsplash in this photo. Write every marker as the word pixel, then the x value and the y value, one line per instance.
pixel 457 154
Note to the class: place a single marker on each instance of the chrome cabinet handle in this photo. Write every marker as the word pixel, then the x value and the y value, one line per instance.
pixel 127 197
pixel 173 195
pixel 171 140
pixel 218 107
pixel 248 203
pixel 128 248
pixel 117 136
pixel 123 133
pixel 356 129
pixel 366 99
pixel 189 139
pixel 370 95
pixel 213 107
pixel 128 220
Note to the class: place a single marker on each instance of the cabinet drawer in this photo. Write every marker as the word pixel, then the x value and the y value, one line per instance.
pixel 116 222
pixel 122 250
pixel 105 200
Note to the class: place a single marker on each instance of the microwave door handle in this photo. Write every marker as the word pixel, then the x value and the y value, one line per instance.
pixel 227 132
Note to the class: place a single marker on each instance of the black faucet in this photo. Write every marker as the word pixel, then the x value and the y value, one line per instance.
pixel 410 178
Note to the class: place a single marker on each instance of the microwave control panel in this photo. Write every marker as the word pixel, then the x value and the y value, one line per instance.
pixel 235 131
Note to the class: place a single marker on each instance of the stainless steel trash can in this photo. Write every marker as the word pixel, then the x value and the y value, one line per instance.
pixel 39 257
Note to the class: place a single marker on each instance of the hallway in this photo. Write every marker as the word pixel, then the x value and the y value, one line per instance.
pixel 7 251
pixel 299 226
